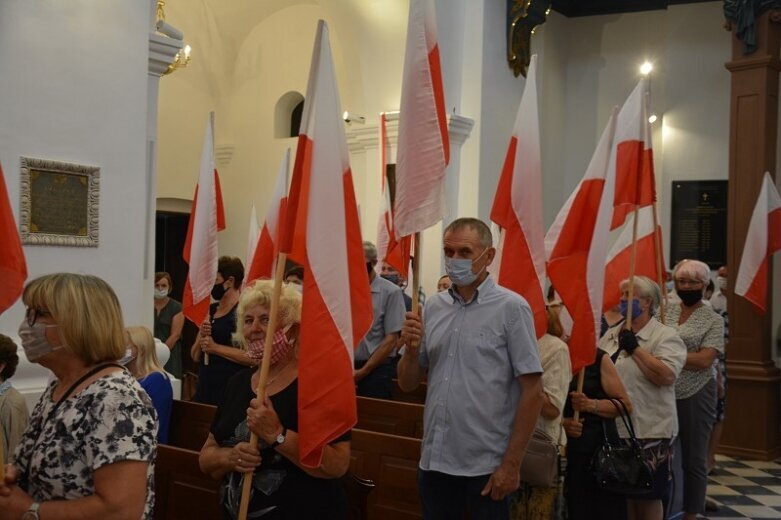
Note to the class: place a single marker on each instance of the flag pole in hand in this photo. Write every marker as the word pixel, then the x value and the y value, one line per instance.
pixel 263 369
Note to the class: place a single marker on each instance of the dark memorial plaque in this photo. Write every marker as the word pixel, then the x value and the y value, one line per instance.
pixel 59 203
pixel 698 225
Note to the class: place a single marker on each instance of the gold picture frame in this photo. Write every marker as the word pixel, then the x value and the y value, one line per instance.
pixel 59 203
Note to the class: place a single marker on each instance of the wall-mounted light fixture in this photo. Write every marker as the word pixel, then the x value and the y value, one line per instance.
pixel 353 118
pixel 183 56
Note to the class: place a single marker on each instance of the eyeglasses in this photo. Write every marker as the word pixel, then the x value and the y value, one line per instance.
pixel 32 314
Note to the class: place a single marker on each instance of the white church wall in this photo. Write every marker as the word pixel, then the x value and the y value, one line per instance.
pixel 74 89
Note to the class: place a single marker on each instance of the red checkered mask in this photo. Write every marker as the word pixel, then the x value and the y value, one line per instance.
pixel 280 346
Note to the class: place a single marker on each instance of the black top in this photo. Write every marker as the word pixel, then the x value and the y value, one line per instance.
pixel 592 436
pixel 213 377
pixel 292 492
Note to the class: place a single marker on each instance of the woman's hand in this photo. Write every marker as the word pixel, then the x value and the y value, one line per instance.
pixel 208 346
pixel 9 479
pixel 205 329
pixel 263 421
pixel 580 402
pixel 571 428
pixel 243 458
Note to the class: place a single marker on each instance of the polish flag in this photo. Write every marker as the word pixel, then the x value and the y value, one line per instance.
pixel 264 260
pixel 323 234
pixel 207 218
pixel 424 147
pixel 252 240
pixel 633 156
pixel 762 240
pixel 13 268
pixel 620 255
pixel 389 249
pixel 576 248
pixel 518 208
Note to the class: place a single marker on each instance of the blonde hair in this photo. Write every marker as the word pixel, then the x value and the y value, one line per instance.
pixel 644 287
pixel 259 293
pixel 146 352
pixel 87 311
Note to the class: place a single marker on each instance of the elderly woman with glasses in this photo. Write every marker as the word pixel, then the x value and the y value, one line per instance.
pixel 94 426
pixel 281 486
pixel 702 330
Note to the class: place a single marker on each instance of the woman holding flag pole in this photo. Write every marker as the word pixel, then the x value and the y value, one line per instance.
pixel 280 486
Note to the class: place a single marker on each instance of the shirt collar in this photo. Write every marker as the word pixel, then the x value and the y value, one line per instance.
pixel 4 386
pixel 482 290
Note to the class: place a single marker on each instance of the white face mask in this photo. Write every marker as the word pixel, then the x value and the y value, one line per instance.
pixel 34 341
pixel 127 358
pixel 160 294
pixel 721 282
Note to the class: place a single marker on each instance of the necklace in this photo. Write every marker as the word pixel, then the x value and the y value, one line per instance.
pixel 276 376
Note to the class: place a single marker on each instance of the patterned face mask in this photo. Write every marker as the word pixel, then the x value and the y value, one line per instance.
pixel 280 346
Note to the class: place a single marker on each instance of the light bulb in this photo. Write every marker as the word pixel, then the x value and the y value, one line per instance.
pixel 646 68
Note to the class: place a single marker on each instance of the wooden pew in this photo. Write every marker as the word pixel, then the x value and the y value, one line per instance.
pixel 391 462
pixel 392 417
pixel 181 490
pixel 190 424
pixel 416 396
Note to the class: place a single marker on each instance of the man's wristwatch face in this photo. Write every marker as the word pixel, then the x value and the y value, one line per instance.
pixel 280 438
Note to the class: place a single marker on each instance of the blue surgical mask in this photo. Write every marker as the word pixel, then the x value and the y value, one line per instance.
pixel 636 310
pixel 459 270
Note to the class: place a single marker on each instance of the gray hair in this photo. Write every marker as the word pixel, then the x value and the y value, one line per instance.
pixel 369 251
pixel 644 287
pixel 693 269
pixel 483 231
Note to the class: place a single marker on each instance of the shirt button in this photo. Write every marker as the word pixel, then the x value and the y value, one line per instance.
pixel 445 379
pixel 455 330
pixel 450 355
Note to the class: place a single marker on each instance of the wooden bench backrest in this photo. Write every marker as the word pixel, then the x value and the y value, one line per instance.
pixel 190 424
pixel 416 396
pixel 181 490
pixel 391 462
pixel 393 417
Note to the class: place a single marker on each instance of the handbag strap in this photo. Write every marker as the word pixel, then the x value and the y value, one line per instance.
pixel 625 417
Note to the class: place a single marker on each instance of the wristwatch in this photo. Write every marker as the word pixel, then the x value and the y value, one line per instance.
pixel 32 512
pixel 280 438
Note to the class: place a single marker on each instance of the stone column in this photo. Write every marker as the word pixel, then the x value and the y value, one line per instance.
pixel 752 427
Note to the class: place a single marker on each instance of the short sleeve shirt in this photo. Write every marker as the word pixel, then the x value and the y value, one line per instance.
pixel 556 376
pixel 475 351
pixel 388 310
pixel 112 420
pixel 704 328
pixel 653 407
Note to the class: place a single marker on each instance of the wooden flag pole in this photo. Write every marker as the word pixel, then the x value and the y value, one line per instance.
pixel 416 274
pixel 632 266
pixel 581 377
pixel 660 265
pixel 265 365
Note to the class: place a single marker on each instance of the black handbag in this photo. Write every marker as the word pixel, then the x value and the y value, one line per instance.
pixel 622 467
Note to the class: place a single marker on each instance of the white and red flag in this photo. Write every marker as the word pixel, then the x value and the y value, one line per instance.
pixel 264 260
pixel 207 218
pixel 633 156
pixel 763 239
pixel 424 147
pixel 252 240
pixel 13 268
pixel 576 248
pixel 322 233
pixel 517 208
pixel 389 249
pixel 620 255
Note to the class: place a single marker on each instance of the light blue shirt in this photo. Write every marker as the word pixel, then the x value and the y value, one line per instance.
pixel 388 310
pixel 475 351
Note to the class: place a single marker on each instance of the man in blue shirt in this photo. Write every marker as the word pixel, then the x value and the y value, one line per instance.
pixel 484 382
pixel 374 366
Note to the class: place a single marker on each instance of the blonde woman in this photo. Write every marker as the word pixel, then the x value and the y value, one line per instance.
pixel 281 485
pixel 94 426
pixel 145 367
